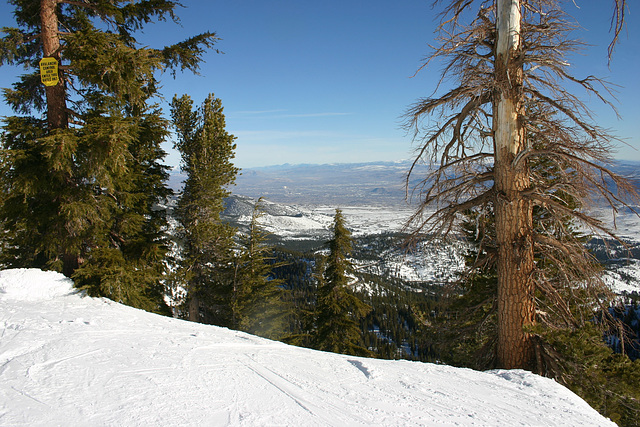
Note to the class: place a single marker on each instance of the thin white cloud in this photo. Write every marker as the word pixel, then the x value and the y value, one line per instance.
pixel 315 115
pixel 277 114
pixel 256 112
pixel 261 135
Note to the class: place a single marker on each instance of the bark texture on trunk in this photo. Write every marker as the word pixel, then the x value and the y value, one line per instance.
pixel 513 213
pixel 57 117
pixel 194 308
pixel 70 263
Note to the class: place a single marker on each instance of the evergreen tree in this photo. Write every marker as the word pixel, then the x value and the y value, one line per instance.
pixel 339 311
pixel 474 300
pixel 512 92
pixel 207 151
pixel 79 184
pixel 296 270
pixel 128 262
pixel 574 353
pixel 256 299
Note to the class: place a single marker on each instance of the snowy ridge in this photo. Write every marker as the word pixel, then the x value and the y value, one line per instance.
pixel 33 285
pixel 300 221
pixel 623 276
pixel 71 360
pixel 430 261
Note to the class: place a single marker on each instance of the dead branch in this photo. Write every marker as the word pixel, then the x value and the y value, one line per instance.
pixel 566 155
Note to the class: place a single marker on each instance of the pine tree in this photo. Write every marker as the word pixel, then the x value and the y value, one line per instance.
pixel 79 184
pixel 207 151
pixel 511 106
pixel 568 341
pixel 256 299
pixel 128 263
pixel 475 300
pixel 339 311
pixel 296 270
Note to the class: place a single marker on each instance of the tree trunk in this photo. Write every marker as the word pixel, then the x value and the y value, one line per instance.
pixel 70 263
pixel 56 97
pixel 194 308
pixel 57 117
pixel 513 213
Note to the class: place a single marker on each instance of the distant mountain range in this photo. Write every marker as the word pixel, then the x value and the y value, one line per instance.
pixel 333 184
pixel 344 184
pixel 300 199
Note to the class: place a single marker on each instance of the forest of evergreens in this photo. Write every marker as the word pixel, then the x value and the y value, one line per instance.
pixel 82 184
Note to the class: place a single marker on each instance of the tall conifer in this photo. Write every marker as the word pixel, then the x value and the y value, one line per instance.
pixel 256 301
pixel 81 171
pixel 207 151
pixel 339 311
pixel 515 89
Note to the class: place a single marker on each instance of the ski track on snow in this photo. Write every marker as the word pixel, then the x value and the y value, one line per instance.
pixel 78 361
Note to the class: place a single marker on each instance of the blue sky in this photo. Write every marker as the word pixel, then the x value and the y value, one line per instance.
pixel 328 82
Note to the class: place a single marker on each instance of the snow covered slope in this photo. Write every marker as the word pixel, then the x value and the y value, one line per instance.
pixel 71 360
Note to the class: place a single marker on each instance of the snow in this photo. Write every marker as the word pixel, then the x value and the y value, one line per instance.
pixel 33 285
pixel 302 221
pixel 305 221
pixel 428 261
pixel 366 220
pixel 625 223
pixel 67 359
pixel 624 277
pixel 431 262
pixel 294 226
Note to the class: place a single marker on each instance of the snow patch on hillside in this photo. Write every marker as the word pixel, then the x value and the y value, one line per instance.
pixel 427 261
pixel 367 220
pixel 33 285
pixel 625 223
pixel 624 277
pixel 292 227
pixel 74 361
pixel 301 221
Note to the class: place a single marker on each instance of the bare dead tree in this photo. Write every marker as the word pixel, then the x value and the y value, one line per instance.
pixel 512 140
pixel 617 23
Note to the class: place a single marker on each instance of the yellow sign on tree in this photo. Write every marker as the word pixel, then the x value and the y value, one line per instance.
pixel 49 71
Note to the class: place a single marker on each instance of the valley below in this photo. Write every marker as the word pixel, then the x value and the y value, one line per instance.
pixel 400 275
pixel 299 202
